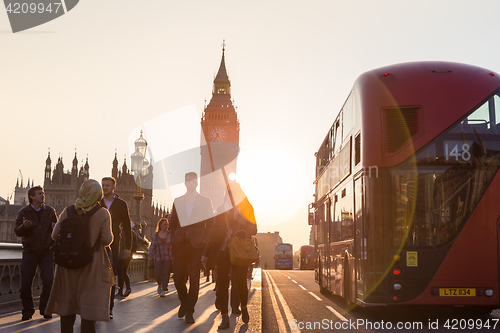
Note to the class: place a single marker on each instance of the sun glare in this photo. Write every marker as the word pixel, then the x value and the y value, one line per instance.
pixel 274 183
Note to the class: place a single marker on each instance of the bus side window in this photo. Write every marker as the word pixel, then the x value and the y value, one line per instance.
pixel 335 230
pixel 330 144
pixel 496 113
pixel 347 213
pixel 338 132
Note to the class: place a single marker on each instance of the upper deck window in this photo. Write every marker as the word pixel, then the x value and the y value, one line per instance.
pixel 348 116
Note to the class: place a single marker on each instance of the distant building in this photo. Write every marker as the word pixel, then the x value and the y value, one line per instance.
pixel 267 243
pixel 21 192
pixel 296 259
pixel 62 186
pixel 8 215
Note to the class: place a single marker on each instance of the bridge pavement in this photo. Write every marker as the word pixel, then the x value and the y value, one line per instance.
pixel 145 311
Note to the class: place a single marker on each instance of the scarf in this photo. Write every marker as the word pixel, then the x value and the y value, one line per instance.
pixel 90 195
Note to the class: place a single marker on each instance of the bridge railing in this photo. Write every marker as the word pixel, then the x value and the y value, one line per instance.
pixel 10 272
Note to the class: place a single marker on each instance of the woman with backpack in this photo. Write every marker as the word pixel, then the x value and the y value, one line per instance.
pixel 161 252
pixel 85 290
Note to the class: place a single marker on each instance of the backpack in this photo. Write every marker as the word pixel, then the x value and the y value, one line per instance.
pixel 73 249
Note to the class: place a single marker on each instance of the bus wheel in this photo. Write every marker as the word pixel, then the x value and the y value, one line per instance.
pixel 323 290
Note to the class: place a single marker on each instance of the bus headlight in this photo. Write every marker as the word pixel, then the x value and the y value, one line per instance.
pixel 489 292
pixel 397 286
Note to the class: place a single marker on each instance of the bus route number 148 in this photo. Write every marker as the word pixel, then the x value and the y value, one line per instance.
pixel 464 155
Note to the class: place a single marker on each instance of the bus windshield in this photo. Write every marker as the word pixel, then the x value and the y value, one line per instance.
pixel 434 192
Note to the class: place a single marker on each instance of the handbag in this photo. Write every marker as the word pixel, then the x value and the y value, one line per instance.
pixel 243 251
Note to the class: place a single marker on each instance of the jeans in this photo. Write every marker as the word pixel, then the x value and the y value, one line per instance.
pixel 240 283
pixel 122 274
pixel 29 263
pixel 223 272
pixel 113 253
pixel 162 273
pixel 238 277
pixel 234 298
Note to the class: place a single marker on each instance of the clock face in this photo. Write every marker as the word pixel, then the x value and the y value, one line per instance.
pixel 217 134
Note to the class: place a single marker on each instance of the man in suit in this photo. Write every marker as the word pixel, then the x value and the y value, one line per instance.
pixel 118 209
pixel 192 215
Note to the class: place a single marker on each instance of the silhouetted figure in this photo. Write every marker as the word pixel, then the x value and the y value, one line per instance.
pixel 230 222
pixel 191 214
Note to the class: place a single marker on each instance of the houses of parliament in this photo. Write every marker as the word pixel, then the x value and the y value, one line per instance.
pixel 61 190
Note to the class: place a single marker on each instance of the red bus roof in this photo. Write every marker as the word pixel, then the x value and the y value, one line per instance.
pixel 443 91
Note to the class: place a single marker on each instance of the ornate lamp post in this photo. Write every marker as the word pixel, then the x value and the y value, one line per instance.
pixel 140 169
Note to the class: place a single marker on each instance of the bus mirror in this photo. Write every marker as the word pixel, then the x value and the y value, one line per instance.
pixel 311 218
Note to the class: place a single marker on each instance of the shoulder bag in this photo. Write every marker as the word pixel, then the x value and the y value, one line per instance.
pixel 243 251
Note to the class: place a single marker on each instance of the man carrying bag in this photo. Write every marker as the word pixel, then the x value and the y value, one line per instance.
pixel 231 247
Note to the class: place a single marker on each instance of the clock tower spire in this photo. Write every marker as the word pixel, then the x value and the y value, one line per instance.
pixel 221 128
pixel 222 85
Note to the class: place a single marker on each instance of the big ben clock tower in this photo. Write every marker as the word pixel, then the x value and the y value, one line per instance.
pixel 220 132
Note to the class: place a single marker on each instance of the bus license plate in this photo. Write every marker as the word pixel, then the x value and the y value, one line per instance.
pixel 457 292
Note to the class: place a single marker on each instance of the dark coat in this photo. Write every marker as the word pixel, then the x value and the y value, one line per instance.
pixel 216 238
pixel 36 238
pixel 120 216
pixel 196 225
pixel 225 224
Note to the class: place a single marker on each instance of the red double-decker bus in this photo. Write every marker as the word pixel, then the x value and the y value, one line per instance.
pixel 306 257
pixel 406 207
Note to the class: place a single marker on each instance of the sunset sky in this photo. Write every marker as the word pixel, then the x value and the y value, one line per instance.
pixel 92 78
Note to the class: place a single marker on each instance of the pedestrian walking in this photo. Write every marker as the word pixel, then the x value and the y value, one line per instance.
pixel 34 224
pixel 118 209
pixel 230 222
pixel 160 251
pixel 191 215
pixel 86 290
